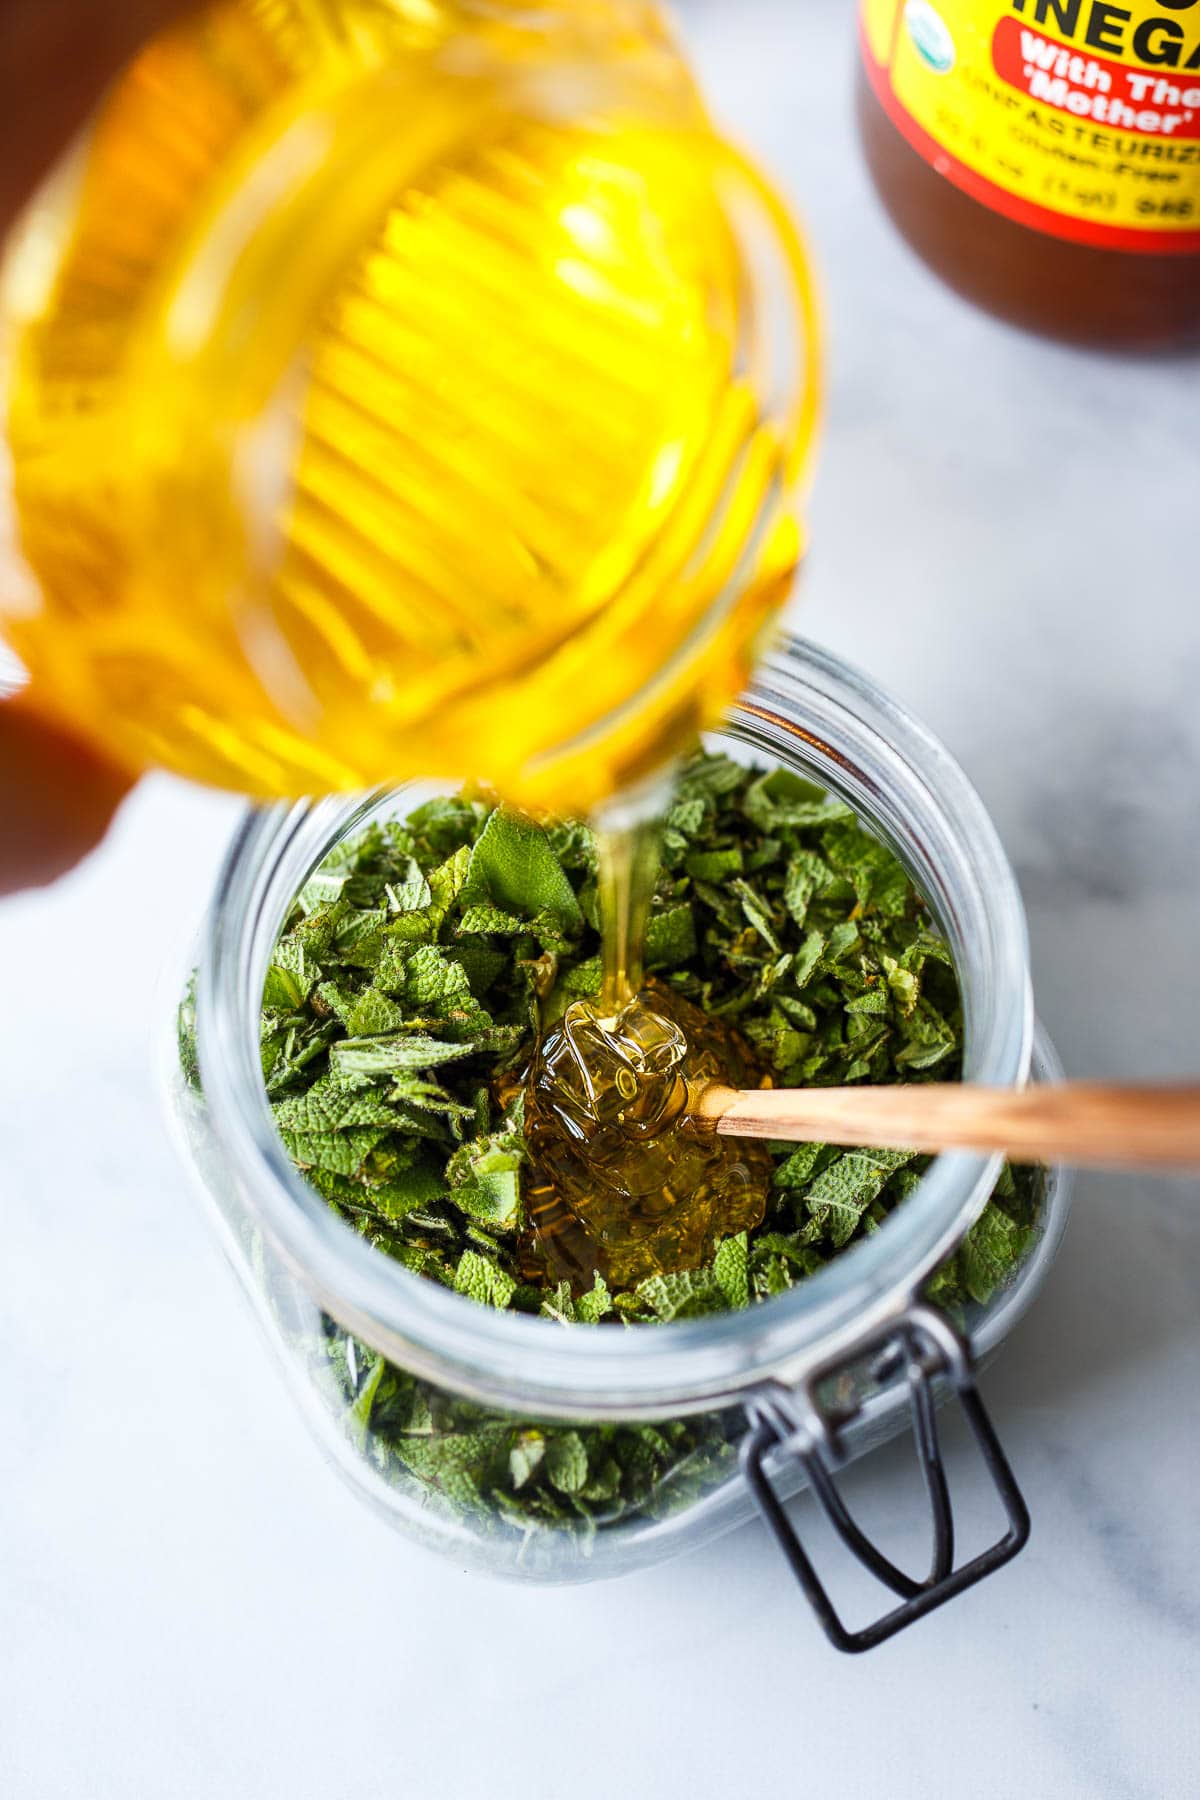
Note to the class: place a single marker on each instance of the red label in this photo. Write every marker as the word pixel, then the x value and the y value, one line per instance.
pixel 1077 118
pixel 1094 87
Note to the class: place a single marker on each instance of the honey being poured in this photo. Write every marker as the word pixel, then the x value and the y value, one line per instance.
pixel 625 1180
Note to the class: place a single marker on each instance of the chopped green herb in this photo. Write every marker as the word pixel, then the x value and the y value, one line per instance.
pixel 412 973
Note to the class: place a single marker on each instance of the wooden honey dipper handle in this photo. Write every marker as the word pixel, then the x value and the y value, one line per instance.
pixel 1091 1124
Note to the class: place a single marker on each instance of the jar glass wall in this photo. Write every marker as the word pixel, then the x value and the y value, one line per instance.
pixel 565 1453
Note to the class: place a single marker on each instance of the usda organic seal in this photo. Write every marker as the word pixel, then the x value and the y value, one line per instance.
pixel 931 35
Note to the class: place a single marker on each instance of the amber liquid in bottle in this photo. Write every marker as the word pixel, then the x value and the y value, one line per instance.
pixel 1114 299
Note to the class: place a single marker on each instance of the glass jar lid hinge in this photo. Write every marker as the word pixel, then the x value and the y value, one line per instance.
pixel 925 1346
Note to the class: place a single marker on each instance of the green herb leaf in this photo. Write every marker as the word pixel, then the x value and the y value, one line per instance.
pixel 688 1295
pixel 731 1267
pixel 842 1192
pixel 567 1462
pixel 513 869
pixel 714 865
pixel 483 1280
pixel 341 1152
pixel 358 1057
pixel 670 938
pixel 526 1457
pixel 372 1014
pixel 593 1306
pixel 485 1180
pixel 990 1253
pixel 328 1106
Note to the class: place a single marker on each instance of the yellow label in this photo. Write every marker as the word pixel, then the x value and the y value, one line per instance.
pixel 1080 118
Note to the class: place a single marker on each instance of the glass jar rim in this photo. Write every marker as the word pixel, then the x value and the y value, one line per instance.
pixel 807 707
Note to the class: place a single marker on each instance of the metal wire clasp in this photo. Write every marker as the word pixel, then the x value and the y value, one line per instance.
pixel 925 1345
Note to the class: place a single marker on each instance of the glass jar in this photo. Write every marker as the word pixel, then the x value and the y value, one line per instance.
pixel 415 1393
pixel 463 377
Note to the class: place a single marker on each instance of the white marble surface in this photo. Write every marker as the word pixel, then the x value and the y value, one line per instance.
pixel 192 1606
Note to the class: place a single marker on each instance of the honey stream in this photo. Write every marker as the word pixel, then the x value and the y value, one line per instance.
pixel 624 1181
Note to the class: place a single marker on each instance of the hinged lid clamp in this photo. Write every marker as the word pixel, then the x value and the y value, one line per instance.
pixel 797 1424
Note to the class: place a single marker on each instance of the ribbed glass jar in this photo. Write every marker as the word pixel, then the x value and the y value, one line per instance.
pixel 463 376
